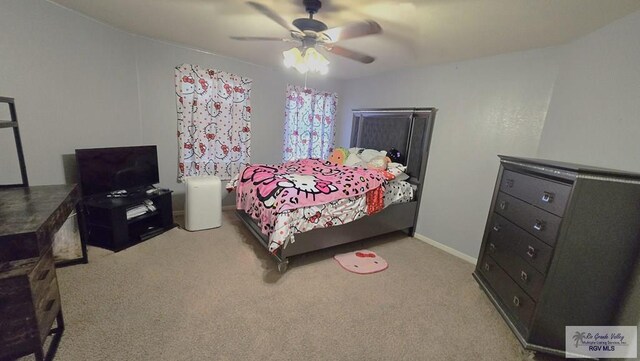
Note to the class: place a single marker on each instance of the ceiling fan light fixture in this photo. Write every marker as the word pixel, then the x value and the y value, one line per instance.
pixel 308 59
pixel 293 58
pixel 315 61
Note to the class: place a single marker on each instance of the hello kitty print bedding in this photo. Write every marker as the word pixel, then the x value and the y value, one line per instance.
pixel 342 211
pixel 264 191
pixel 289 223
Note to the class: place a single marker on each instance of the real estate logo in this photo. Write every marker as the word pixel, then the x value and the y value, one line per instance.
pixel 601 341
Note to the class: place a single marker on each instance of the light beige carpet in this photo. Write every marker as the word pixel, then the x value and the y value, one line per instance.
pixel 215 295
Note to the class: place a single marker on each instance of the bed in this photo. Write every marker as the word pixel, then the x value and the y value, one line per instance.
pixel 406 129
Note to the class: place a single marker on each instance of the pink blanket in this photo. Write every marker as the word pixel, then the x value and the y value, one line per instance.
pixel 263 191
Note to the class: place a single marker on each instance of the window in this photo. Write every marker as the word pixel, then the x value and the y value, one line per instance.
pixel 214 122
pixel 309 123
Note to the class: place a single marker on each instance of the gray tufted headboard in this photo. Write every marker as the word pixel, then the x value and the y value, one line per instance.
pixel 405 129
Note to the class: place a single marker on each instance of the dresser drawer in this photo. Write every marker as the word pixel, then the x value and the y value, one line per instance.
pixel 540 223
pixel 10 309
pixel 506 235
pixel 47 306
pixel 15 300
pixel 29 302
pixel 16 338
pixel 15 289
pixel 527 277
pixel 42 274
pixel 521 305
pixel 548 195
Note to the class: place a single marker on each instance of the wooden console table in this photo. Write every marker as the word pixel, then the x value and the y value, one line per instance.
pixel 29 296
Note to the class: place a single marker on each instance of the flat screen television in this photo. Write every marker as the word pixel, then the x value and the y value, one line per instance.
pixel 104 170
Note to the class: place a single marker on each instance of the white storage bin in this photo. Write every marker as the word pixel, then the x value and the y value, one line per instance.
pixel 203 203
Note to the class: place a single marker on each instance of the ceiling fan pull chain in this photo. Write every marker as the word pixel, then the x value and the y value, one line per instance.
pixel 305 80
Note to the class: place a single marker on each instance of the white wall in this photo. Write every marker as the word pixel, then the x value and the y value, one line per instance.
pixel 74 82
pixel 486 107
pixel 79 83
pixel 594 115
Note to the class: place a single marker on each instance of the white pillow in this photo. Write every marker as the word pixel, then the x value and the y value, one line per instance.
pixel 369 154
pixel 402 177
pixel 352 159
pixel 379 163
pixel 397 165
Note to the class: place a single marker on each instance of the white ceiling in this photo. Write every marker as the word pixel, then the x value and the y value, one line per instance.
pixel 419 32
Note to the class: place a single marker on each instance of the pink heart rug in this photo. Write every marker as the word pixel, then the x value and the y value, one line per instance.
pixel 361 262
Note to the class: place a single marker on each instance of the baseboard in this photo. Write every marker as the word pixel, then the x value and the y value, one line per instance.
pixel 178 213
pixel 445 248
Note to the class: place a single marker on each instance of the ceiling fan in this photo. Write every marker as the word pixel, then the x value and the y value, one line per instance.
pixel 309 33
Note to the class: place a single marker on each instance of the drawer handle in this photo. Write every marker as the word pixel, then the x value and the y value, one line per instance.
pixel 492 247
pixel 531 252
pixel 524 276
pixel 539 225
pixel 487 267
pixel 497 228
pixel 509 183
pixel 43 274
pixel 503 205
pixel 49 305
pixel 516 301
pixel 547 197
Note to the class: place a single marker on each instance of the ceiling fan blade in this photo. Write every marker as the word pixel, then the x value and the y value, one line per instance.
pixel 259 38
pixel 353 30
pixel 273 16
pixel 353 55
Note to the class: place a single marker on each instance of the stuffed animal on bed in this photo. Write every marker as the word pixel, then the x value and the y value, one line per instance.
pixel 338 156
pixel 394 155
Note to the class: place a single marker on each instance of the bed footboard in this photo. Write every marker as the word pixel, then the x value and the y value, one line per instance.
pixel 396 217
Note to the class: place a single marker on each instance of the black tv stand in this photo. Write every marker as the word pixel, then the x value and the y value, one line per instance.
pixel 109 227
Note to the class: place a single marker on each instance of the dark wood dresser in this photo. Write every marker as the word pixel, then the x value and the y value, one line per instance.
pixel 559 247
pixel 29 296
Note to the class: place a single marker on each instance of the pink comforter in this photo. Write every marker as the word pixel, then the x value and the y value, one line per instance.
pixel 263 191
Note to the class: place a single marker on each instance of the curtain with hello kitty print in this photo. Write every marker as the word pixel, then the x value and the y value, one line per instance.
pixel 214 122
pixel 309 123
